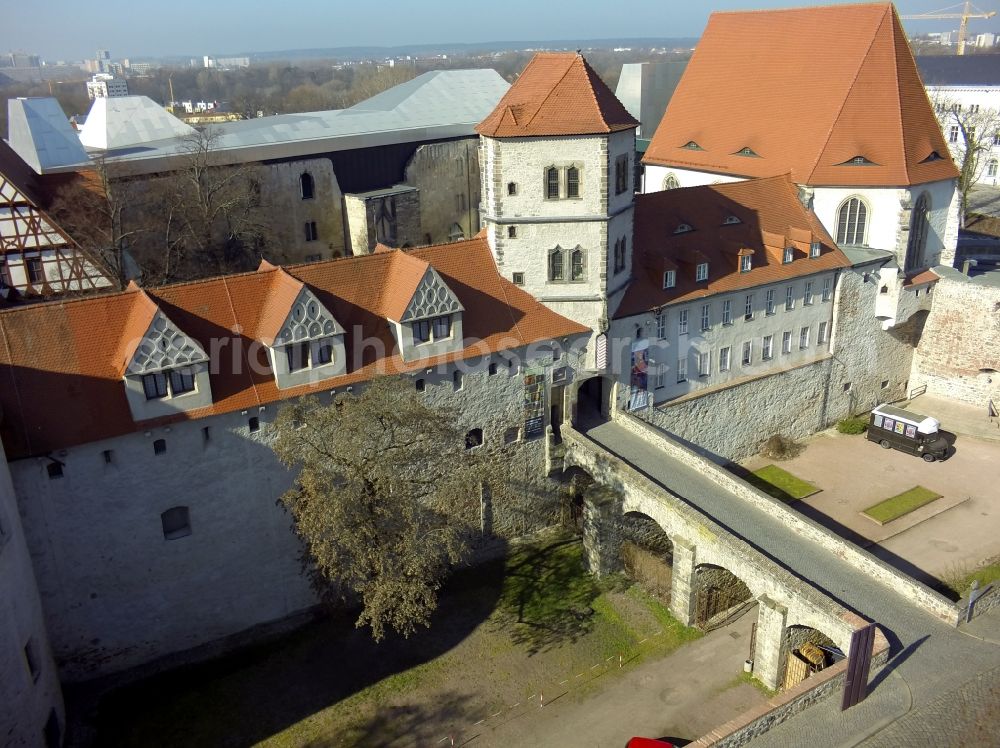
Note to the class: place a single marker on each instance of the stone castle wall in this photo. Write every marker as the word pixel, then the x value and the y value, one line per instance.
pixel 447 176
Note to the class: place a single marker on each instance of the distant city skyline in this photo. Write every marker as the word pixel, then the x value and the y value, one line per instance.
pixel 62 30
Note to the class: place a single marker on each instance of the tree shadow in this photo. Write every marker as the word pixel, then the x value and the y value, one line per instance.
pixel 249 695
pixel 449 718
pixel 547 597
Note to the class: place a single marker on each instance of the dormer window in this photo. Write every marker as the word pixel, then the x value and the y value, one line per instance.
pixel 669 278
pixel 154 385
pixel 298 356
pixel 935 156
pixel 701 271
pixel 683 228
pixel 859 161
pixel 747 151
pixel 692 146
pixel 730 220
pixel 746 263
pixel 432 330
pixel 788 256
pixel 814 250
pixel 442 327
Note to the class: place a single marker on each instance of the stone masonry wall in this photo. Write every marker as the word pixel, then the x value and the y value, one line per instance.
pixel 118 594
pixel 959 352
pixel 447 176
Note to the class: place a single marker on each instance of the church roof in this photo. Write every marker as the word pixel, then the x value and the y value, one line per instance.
pixel 718 224
pixel 831 94
pixel 61 363
pixel 558 93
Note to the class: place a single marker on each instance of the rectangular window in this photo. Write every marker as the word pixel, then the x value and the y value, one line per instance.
pixel 746 262
pixel 422 331
pixel 572 182
pixel 660 379
pixel 724 355
pixel 786 342
pixel 682 369
pixel 747 353
pixel 442 327
pixel 701 271
pixel 661 326
pixel 552 184
pixel 814 250
pixel 669 278
pixel 704 364
pixel 181 381
pixel 324 351
pixel 311 233
pixel 35 274
pixel 297 355
pixel 621 174
pixel 682 322
pixel 789 298
pixel 518 279
pixel 827 288
pixel 706 316
pixel 769 302
pixel 821 337
pixel 154 385
pixel 5 274
pixel 748 308
pixel 953 134
pixel 807 296
pixel 727 312
pixel 804 338
pixel 789 255
pixel 512 232
pixel 767 349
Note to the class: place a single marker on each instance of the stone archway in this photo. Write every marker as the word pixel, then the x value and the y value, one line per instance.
pixel 647 554
pixel 804 651
pixel 592 401
pixel 719 596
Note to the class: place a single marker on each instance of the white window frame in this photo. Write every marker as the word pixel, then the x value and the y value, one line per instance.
pixel 706 317
pixel 727 312
pixel 786 342
pixel 704 363
pixel 701 272
pixel 827 289
pixel 746 263
pixel 725 356
pixel 748 308
pixel 789 298
pixel 853 233
pixel 769 302
pixel 807 294
pixel 788 256
pixel 767 347
pixel 804 338
pixel 661 325
pixel 682 369
pixel 821 336
pixel 814 250
pixel 682 322
pixel 669 278
pixel 747 358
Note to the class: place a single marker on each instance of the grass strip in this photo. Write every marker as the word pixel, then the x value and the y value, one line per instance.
pixel 901 504
pixel 781 484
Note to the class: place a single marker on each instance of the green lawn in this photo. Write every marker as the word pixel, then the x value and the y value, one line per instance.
pixel 781 484
pixel 896 506
pixel 503 632
pixel 986 575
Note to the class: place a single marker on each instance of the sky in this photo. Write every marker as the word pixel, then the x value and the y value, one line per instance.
pixel 71 30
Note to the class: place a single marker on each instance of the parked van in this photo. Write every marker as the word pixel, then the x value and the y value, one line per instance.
pixel 895 428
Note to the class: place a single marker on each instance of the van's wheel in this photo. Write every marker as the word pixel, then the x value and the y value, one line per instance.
pixel 885 444
pixel 929 457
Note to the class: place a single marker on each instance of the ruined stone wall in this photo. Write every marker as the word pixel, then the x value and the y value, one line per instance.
pixel 447 176
pixel 288 212
pixel 959 351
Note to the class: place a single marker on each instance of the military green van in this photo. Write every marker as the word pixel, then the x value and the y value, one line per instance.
pixel 895 428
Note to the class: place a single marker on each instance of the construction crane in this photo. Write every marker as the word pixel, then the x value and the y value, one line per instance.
pixel 965 15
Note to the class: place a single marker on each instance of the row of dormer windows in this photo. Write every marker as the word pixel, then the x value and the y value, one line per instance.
pixel 746 265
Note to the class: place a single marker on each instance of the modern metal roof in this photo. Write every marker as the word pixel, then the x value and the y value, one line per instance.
pixel 435 105
pixel 121 121
pixel 645 89
pixel 41 135
pixel 967 70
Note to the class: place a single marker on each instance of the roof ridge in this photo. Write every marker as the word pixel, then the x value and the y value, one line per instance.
pixel 898 94
pixel 843 104
pixel 551 91
pixel 587 70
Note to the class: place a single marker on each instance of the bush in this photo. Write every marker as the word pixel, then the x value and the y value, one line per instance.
pixel 780 447
pixel 855 425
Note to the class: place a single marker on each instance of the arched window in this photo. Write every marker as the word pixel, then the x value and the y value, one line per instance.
pixel 556 265
pixel 307 186
pixel 852 222
pixel 572 182
pixel 670 182
pixel 991 167
pixel 552 183
pixel 455 233
pixel 577 264
pixel 919 224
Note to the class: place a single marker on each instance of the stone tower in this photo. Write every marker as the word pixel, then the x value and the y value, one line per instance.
pixel 558 166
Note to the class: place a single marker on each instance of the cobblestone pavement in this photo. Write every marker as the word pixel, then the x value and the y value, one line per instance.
pixel 929 658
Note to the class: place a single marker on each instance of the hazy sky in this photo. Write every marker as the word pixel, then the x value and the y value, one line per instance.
pixel 70 29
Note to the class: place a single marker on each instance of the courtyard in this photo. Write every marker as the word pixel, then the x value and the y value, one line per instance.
pixel 520 648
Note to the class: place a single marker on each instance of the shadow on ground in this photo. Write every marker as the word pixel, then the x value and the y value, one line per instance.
pixel 250 695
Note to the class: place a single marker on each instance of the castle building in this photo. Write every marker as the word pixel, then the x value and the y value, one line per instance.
pixel 557 158
pixel 831 95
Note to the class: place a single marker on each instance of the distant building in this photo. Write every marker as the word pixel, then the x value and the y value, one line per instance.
pixel 225 62
pixel 105 86
pixel 21 60
pixel 986 40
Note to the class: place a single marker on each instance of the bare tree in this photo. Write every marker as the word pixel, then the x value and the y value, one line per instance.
pixel 970 131
pixel 385 494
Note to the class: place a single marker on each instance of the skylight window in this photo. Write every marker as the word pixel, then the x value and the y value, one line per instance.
pixel 692 146
pixel 730 220
pixel 683 228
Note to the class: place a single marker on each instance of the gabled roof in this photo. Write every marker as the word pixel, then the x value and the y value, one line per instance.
pixel 771 219
pixel 290 311
pixel 558 93
pixel 20 176
pixel 807 90
pixel 121 121
pixel 61 363
pixel 41 135
pixel 964 70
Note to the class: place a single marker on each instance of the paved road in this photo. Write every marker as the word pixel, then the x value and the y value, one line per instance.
pixel 929 658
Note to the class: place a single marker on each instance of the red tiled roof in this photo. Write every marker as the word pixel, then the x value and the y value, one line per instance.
pixel 558 93
pixel 61 363
pixel 807 90
pixel 921 278
pixel 771 218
